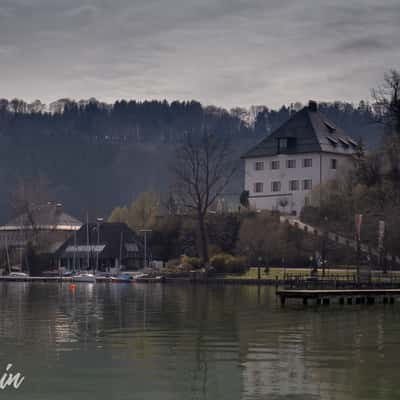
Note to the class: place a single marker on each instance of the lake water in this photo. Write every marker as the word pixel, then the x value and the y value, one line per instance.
pixel 141 341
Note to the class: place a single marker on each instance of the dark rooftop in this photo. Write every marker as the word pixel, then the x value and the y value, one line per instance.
pixel 308 131
pixel 108 238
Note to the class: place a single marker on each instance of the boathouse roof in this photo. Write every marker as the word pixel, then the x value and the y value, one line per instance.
pixel 50 216
pixel 107 239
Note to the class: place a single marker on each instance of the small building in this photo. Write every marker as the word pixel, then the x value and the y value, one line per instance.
pixel 43 228
pixel 304 152
pixel 102 246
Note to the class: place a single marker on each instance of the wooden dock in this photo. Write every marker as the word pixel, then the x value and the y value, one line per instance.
pixel 59 279
pixel 344 296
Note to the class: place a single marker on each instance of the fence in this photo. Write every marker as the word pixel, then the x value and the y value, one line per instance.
pixel 374 279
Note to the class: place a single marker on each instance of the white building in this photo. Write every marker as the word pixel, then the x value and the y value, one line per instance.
pixel 305 151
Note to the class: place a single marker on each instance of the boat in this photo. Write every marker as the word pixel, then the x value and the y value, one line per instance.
pixel 84 277
pixel 122 278
pixel 150 279
pixel 18 275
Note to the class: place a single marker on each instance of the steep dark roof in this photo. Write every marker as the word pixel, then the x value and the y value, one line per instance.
pixel 110 235
pixel 48 216
pixel 311 132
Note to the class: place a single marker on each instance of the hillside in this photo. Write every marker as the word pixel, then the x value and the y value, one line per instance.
pixel 94 156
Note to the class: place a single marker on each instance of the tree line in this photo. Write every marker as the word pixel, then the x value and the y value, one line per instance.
pixel 163 121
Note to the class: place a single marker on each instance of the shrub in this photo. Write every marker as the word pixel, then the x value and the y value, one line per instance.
pixel 236 264
pixel 194 262
pixel 171 264
pixel 226 263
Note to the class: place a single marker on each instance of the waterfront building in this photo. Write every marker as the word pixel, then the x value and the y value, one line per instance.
pixel 304 152
pixel 102 246
pixel 44 227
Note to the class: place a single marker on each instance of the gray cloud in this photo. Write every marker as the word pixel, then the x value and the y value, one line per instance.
pixel 225 52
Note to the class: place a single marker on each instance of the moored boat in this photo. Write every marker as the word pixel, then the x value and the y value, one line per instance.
pixel 84 277
pixel 122 278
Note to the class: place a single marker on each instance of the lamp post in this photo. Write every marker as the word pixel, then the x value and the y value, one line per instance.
pixel 145 231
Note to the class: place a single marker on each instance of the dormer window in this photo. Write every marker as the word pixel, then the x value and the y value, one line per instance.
pixel 330 127
pixel 285 144
pixel 282 144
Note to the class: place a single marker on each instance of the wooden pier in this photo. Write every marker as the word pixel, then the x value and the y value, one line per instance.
pixel 344 296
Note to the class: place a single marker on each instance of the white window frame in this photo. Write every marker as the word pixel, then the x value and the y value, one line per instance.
pixel 305 161
pixel 279 186
pixel 275 163
pixel 290 161
pixel 259 166
pixel 256 187
pixel 294 185
pixel 306 182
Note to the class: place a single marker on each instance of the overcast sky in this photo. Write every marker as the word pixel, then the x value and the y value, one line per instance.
pixel 222 52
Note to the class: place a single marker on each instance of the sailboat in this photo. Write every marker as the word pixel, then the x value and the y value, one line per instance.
pixel 86 276
pixel 118 276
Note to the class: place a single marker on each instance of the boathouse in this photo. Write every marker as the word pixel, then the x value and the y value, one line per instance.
pixel 40 230
pixel 102 246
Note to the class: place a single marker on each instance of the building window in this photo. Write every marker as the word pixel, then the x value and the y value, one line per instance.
pixel 259 166
pixel 293 185
pixel 282 144
pixel 307 163
pixel 275 164
pixel 291 164
pixel 258 187
pixel 333 163
pixel 275 186
pixel 307 184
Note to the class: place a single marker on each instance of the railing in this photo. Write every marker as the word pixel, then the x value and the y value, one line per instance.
pixel 338 281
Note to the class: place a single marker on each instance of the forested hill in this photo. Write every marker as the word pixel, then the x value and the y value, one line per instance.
pixel 95 156
pixel 162 122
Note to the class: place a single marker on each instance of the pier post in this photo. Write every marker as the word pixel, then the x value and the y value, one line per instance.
pixel 326 301
pixel 350 300
pixel 283 300
pixel 341 301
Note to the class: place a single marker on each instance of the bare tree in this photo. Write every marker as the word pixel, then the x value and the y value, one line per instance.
pixel 387 105
pixel 27 196
pixel 387 101
pixel 203 168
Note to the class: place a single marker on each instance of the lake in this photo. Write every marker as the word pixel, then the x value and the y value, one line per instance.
pixel 144 341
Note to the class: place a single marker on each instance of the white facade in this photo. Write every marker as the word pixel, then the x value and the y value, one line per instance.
pixel 283 181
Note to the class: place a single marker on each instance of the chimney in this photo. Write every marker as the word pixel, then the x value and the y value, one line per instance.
pixel 312 106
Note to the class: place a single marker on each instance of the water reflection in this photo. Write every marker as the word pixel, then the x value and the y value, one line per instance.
pixel 193 342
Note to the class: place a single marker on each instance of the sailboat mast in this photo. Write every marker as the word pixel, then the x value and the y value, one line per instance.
pixel 8 256
pixel 120 248
pixel 87 241
pixel 74 262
